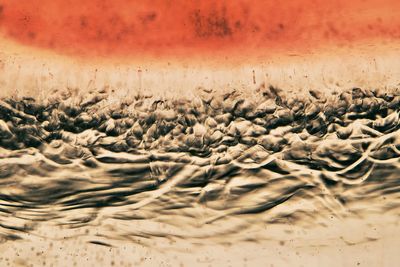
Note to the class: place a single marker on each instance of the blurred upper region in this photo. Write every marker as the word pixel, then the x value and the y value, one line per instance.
pixel 188 27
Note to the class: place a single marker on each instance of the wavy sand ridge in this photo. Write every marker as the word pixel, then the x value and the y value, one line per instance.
pixel 205 168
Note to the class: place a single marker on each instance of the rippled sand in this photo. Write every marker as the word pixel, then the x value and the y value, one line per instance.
pixel 169 181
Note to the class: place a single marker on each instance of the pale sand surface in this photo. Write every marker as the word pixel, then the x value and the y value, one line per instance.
pixel 342 243
pixel 28 71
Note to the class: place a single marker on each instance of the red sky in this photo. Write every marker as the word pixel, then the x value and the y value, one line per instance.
pixel 133 28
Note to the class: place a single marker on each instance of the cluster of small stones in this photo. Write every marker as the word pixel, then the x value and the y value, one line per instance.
pixel 210 121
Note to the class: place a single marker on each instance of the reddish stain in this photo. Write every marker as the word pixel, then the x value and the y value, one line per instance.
pixel 171 27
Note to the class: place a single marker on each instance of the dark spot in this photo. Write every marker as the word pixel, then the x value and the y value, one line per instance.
pixel 256 28
pixel 26 19
pixel 83 22
pixel 148 17
pixel 100 34
pixel 1 11
pixel 333 29
pixel 211 25
pixel 281 26
pixel 31 35
pixel 51 43
pixel 151 16
pixel 238 24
